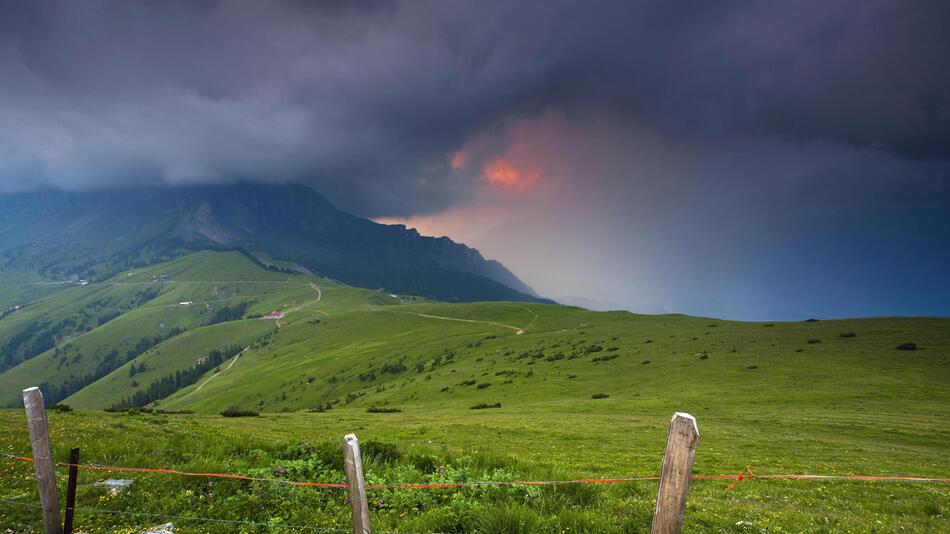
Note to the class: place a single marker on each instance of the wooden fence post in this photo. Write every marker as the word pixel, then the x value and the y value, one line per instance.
pixel 355 485
pixel 675 474
pixel 71 490
pixel 42 459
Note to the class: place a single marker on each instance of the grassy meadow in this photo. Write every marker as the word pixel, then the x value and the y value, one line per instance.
pixel 813 397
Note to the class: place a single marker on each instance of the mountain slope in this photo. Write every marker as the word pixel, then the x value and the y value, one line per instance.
pixel 94 235
pixel 543 357
pixel 72 339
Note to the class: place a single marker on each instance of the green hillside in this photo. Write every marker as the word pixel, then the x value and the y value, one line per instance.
pixel 542 357
pixel 821 397
pixel 175 354
pixel 79 335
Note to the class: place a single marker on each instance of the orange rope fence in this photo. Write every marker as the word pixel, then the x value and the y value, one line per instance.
pixel 737 478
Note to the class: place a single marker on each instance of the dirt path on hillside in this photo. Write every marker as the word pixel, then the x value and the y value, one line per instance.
pixel 210 378
pixel 529 325
pixel 238 355
pixel 518 330
pixel 319 296
pixel 316 288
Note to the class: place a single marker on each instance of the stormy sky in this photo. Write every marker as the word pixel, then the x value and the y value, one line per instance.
pixel 741 159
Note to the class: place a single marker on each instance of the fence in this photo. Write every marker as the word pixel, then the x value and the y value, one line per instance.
pixel 674 478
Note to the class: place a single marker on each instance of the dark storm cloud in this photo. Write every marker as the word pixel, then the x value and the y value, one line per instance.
pixel 366 100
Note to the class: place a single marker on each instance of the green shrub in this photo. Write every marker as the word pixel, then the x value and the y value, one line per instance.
pixel 814 341
pixel 599 396
pixel 482 406
pixel 393 368
pixel 381 409
pixel 847 334
pixel 235 411
pixel 907 346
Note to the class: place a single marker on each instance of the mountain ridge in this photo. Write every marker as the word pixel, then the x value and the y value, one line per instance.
pixel 94 234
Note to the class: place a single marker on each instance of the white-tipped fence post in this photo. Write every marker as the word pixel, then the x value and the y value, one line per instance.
pixel 42 459
pixel 355 485
pixel 675 474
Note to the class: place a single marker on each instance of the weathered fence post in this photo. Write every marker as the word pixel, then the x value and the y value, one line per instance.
pixel 355 485
pixel 675 474
pixel 71 490
pixel 42 459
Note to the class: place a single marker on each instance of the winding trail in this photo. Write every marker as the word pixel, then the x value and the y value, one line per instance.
pixel 529 325
pixel 313 286
pixel 518 330
pixel 316 288
pixel 238 355
pixel 210 378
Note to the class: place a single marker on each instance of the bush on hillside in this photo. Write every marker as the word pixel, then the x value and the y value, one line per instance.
pixel 380 409
pixel 599 396
pixel 907 346
pixel 235 411
pixel 847 334
pixel 814 341
pixel 482 406
pixel 393 368
pixel 59 407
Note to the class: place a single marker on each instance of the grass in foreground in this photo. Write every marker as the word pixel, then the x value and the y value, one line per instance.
pixel 492 445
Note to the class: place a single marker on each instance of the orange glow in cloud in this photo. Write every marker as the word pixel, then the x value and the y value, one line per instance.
pixel 501 174
pixel 457 159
